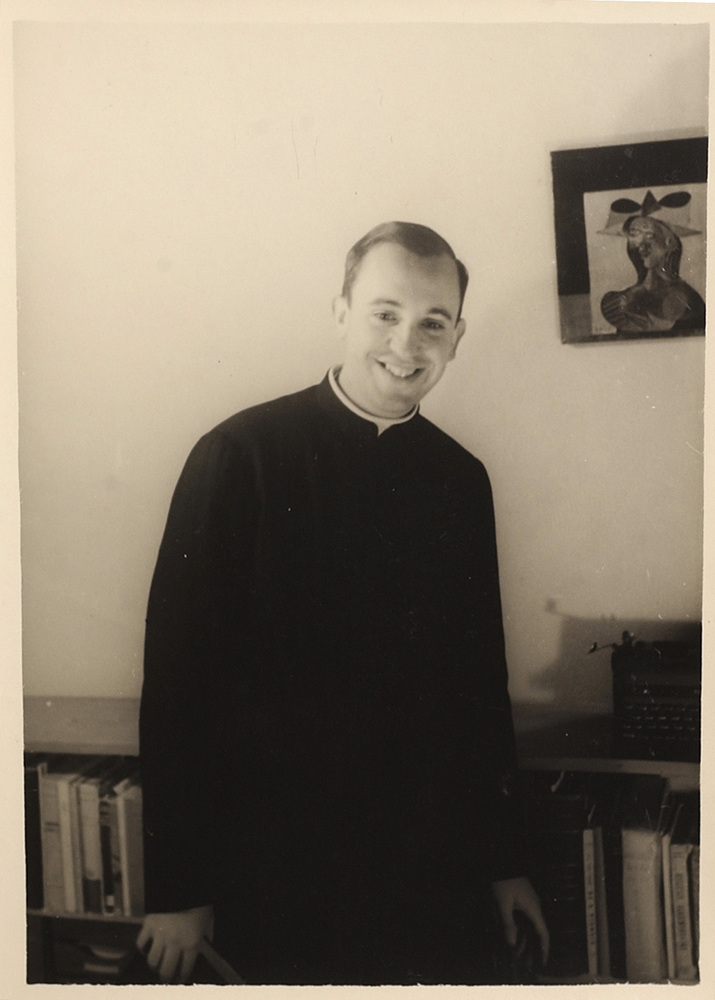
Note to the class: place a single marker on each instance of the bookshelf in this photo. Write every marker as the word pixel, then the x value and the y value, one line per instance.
pixel 547 741
pixel 580 787
pixel 102 727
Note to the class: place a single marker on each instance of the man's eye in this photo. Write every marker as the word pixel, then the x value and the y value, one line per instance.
pixel 385 317
pixel 433 325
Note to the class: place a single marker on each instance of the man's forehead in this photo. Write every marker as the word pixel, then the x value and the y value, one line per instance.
pixel 389 263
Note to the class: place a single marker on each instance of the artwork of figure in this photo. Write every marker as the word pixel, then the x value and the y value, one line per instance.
pixel 660 301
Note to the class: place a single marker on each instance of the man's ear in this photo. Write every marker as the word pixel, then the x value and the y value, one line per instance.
pixel 458 334
pixel 340 314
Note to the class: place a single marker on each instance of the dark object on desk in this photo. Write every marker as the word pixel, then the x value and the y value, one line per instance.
pixel 656 699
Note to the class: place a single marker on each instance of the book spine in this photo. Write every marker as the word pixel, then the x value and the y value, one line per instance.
pixel 33 839
pixel 642 906
pixel 52 877
pixel 134 870
pixel 695 899
pixel 109 904
pixel 91 848
pixel 684 964
pixel 668 908
pixel 613 851
pixel 121 808
pixel 589 883
pixel 604 944
pixel 109 841
pixel 65 810
pixel 115 854
pixel 75 828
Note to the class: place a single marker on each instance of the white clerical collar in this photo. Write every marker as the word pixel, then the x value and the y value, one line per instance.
pixel 382 423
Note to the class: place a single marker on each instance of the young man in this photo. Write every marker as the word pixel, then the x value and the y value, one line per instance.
pixel 326 737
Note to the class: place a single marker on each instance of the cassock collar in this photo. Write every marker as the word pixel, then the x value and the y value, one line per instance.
pixel 350 416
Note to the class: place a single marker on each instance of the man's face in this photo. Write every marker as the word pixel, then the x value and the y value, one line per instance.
pixel 400 328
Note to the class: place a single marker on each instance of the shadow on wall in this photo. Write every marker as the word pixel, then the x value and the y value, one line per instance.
pixel 579 681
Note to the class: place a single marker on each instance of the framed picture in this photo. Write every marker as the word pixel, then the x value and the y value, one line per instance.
pixel 630 240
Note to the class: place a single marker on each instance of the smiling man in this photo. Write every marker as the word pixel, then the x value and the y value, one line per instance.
pixel 326 738
pixel 400 316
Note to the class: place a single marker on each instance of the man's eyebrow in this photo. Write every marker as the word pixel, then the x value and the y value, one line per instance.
pixel 434 311
pixel 439 311
pixel 386 302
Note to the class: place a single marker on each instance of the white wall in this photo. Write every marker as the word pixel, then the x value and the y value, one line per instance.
pixel 186 195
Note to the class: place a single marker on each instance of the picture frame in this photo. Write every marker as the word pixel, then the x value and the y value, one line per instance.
pixel 630 228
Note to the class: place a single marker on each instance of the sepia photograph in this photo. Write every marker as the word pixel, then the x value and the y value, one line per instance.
pixel 356 605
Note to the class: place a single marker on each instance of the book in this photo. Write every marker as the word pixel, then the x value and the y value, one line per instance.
pixel 643 911
pixel 131 848
pixel 33 833
pixel 58 778
pixel 603 935
pixel 105 964
pixel 53 881
pixel 72 837
pixel 78 961
pixel 642 881
pixel 64 797
pixel 89 792
pixel 594 873
pixel 612 793
pixel 668 891
pixel 115 781
pixel 589 882
pixel 695 885
pixel 88 798
pixel 682 844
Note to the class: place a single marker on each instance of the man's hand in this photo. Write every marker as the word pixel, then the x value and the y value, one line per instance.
pixel 174 940
pixel 518 894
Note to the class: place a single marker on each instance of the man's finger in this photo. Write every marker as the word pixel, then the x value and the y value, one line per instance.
pixel 143 938
pixel 188 959
pixel 543 932
pixel 169 963
pixel 509 928
pixel 156 952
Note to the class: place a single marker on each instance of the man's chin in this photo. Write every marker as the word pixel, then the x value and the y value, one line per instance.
pixel 397 401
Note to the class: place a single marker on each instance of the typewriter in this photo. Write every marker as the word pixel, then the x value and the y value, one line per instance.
pixel 656 698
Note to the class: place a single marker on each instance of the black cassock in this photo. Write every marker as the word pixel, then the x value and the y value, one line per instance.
pixel 326 740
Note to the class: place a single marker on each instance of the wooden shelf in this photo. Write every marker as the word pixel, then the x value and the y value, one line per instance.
pixel 82 725
pixel 95 918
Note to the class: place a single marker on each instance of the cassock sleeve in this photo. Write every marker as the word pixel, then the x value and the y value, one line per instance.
pixel 210 506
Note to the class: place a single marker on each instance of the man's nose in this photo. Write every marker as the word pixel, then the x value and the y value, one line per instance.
pixel 405 339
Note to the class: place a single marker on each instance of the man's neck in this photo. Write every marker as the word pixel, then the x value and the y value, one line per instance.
pixel 382 423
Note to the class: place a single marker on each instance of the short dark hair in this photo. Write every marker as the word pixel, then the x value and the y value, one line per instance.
pixel 420 240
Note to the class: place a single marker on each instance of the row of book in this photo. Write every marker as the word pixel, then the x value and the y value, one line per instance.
pixel 616 863
pixel 83 835
pixel 78 960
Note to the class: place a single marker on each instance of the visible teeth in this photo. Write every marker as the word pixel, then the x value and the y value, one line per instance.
pixel 400 372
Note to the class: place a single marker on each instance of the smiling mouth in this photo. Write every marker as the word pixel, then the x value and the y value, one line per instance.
pixel 398 371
